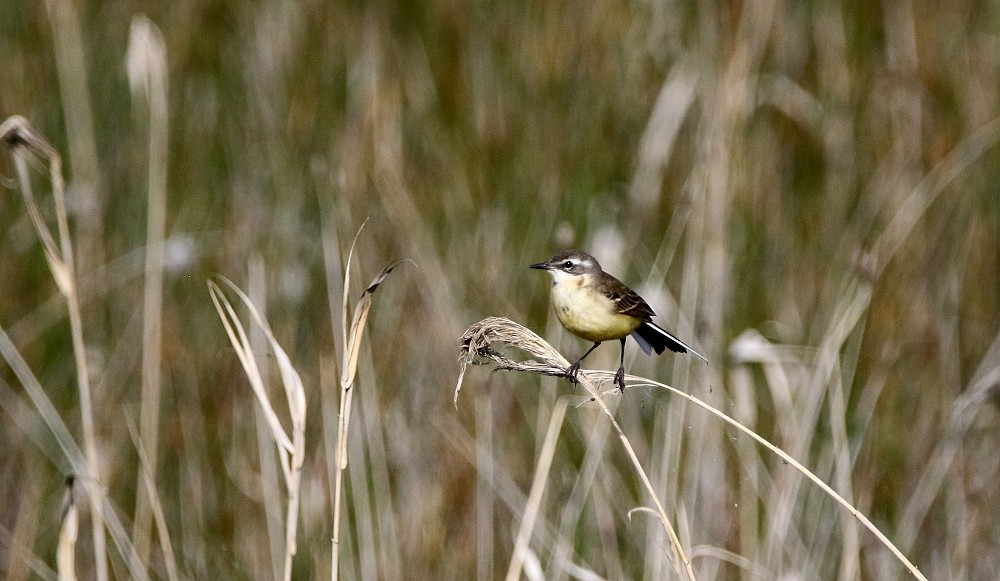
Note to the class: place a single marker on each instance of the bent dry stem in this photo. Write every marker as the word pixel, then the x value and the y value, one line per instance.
pixel 24 143
pixel 478 349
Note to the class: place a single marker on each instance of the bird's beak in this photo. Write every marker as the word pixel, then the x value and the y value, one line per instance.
pixel 542 266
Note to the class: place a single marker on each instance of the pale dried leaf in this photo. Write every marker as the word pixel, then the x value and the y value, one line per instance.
pixel 347 285
pixel 68 532
pixel 241 344
pixel 353 347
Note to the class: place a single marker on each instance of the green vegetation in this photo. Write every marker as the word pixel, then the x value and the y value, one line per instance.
pixel 807 191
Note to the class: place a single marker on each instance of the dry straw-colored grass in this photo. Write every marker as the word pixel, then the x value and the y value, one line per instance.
pixel 25 145
pixel 478 346
pixel 146 64
pixel 291 449
pixel 805 190
pixel 481 345
pixel 351 342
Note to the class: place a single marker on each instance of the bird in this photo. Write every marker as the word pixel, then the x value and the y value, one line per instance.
pixel 596 306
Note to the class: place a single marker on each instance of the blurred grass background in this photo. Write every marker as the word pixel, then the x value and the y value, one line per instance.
pixel 808 192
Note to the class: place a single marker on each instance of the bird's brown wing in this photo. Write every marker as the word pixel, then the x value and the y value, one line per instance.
pixel 626 300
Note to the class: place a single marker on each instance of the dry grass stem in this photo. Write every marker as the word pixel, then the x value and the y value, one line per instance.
pixel 807 191
pixel 291 450
pixel 969 150
pixel 477 349
pixel 74 456
pixel 634 381
pixel 344 413
pixel 116 530
pixel 537 489
pixel 24 143
pixel 964 411
pixel 149 485
pixel 348 371
pixel 146 63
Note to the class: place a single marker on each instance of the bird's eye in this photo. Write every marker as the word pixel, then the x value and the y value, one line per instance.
pixel 568 264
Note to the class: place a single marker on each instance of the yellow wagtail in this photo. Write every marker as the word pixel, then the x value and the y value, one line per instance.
pixel 596 306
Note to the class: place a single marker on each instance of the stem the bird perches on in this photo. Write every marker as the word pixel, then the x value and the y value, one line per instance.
pixel 478 348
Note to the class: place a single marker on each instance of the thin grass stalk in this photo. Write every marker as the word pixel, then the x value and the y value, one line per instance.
pixel 135 567
pixel 912 209
pixel 24 517
pixel 290 450
pixel 270 489
pixel 740 386
pixel 147 74
pixel 330 390
pixel 850 555
pixel 963 412
pixel 485 497
pixel 643 382
pixel 17 133
pixel 853 304
pixel 348 372
pixel 511 496
pixel 605 495
pixel 573 505
pixel 82 372
pixel 476 345
pixel 359 509
pixel 680 557
pixel 477 349
pixel 330 382
pixel 375 428
pixel 542 470
pixel 162 533
pixel 343 416
pixel 70 52
pixel 77 462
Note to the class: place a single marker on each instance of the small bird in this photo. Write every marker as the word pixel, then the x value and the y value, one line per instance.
pixel 596 306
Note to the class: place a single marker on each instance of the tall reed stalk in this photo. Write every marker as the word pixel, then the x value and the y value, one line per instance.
pixel 147 74
pixel 24 143
pixel 351 341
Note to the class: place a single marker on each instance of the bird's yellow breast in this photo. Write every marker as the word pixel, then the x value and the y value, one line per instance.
pixel 587 313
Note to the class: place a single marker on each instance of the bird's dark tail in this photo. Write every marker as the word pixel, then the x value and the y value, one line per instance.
pixel 651 337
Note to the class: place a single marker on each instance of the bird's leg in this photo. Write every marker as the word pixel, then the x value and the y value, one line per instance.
pixel 573 370
pixel 620 375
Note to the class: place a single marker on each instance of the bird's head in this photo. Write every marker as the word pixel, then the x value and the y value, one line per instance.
pixel 570 263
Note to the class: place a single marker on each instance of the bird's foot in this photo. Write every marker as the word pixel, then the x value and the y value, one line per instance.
pixel 620 379
pixel 571 372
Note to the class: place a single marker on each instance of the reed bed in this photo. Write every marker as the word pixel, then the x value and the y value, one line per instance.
pixel 807 192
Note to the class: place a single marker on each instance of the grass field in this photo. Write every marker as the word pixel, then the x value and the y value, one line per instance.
pixel 808 193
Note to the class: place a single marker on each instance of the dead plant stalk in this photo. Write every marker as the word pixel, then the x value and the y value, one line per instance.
pixel 477 349
pixel 349 367
pixel 23 141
